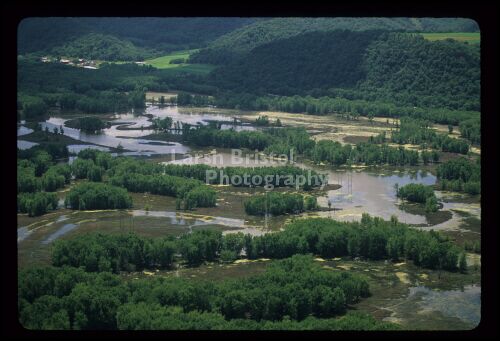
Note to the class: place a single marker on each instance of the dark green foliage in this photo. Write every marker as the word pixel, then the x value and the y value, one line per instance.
pixel 406 64
pixel 316 59
pixel 88 91
pixel 88 124
pixel 275 176
pixel 100 252
pixel 206 136
pixel 26 180
pixel 36 204
pixel 262 121
pixel 347 102
pixel 276 203
pixel 392 68
pixel 200 246
pixel 373 239
pixel 431 204
pixel 94 195
pixel 34 108
pixel 471 130
pixel 462 263
pixel 415 192
pixel 52 179
pixel 417 131
pixel 460 175
pixel 295 293
pixel 237 43
pixel 42 34
pixel 162 124
pixel 55 150
pixel 102 47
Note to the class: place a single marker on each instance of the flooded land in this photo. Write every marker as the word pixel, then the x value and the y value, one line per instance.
pixel 402 293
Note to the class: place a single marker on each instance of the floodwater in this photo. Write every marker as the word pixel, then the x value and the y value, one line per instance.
pixel 464 304
pixel 189 221
pixel 137 145
pixel 127 129
pixel 22 144
pixel 61 231
pixel 22 130
pixel 361 191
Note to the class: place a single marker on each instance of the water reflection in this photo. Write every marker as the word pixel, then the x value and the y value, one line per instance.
pixel 140 146
pixel 464 304
pixel 22 130
pixel 61 231
pixel 22 144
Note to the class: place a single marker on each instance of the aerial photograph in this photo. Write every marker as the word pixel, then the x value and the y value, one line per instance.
pixel 248 173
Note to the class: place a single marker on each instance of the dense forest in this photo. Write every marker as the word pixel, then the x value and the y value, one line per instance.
pixel 238 42
pixel 45 34
pixel 379 65
pixel 102 47
pixel 305 62
pixel 69 298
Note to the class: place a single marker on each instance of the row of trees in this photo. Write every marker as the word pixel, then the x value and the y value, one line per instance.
pixel 281 141
pixel 277 176
pixel 349 103
pixel 277 203
pixel 293 293
pixel 97 252
pixel 207 136
pixel 372 238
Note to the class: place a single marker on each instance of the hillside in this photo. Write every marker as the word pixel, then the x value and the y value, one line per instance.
pixel 394 67
pixel 304 62
pixel 244 39
pixel 103 47
pixel 164 34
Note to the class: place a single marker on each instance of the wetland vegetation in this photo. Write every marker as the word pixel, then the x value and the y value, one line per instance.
pixel 133 205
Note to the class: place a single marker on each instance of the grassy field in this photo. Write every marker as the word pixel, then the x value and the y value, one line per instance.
pixel 473 38
pixel 164 63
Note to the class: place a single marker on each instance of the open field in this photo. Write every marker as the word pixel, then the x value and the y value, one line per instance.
pixel 469 37
pixel 163 62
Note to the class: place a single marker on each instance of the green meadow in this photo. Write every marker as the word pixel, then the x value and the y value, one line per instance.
pixel 470 37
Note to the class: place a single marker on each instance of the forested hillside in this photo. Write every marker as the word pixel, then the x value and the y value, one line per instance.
pixel 244 39
pixel 410 65
pixel 164 34
pixel 307 61
pixel 390 67
pixel 103 47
